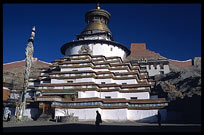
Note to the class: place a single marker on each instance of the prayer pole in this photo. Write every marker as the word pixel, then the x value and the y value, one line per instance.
pixel 29 56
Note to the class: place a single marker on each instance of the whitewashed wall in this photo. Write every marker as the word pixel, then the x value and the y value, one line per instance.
pixel 114 94
pixel 81 94
pixel 118 71
pixel 105 49
pixel 166 69
pixel 111 94
pixel 98 81
pixel 96 70
pixel 79 69
pixel 128 81
pixel 83 114
pixel 114 115
pixel 58 81
pixel 31 83
pixel 89 94
pixel 98 49
pixel 139 95
pixel 152 71
pixel 109 115
pixel 85 80
pixel 107 81
pixel 142 115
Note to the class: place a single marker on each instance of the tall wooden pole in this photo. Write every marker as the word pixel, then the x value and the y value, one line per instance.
pixel 29 56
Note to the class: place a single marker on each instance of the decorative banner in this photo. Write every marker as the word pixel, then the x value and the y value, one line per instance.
pixel 29 56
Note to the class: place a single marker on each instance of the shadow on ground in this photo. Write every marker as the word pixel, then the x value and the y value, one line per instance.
pixel 103 128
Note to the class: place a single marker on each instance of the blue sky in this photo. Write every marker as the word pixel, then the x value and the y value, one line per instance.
pixel 173 30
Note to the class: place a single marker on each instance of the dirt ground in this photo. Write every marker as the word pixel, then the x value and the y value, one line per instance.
pixel 89 126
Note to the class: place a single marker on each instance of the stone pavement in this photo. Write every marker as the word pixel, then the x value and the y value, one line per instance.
pixel 89 126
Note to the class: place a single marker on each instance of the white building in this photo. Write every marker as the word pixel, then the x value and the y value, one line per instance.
pixel 93 76
pixel 154 63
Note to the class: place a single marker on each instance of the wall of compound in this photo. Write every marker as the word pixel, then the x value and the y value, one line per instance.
pixel 108 115
pixel 143 115
pixel 152 71
pixel 83 114
pixel 114 115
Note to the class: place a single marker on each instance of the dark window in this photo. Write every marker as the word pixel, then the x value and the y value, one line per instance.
pixel 161 72
pixel 124 83
pixel 133 97
pixel 107 96
pixel 102 82
pixel 111 49
pixel 68 59
pixel 149 66
pixel 69 81
pixel 161 66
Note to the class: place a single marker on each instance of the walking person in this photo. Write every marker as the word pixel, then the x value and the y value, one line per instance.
pixel 159 118
pixel 98 119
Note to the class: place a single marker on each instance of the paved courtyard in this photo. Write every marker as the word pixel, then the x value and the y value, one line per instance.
pixel 89 126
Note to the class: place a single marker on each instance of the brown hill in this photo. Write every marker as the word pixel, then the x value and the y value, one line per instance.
pixel 14 72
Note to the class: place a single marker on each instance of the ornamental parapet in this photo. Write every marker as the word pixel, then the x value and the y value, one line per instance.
pixel 113 104
pixel 74 87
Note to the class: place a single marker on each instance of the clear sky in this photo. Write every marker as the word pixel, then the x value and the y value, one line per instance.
pixel 173 30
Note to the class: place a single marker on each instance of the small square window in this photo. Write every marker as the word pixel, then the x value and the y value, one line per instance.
pixel 102 82
pixel 68 59
pixel 161 72
pixel 108 97
pixel 133 97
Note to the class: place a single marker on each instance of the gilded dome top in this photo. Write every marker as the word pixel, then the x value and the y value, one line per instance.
pixel 96 25
pixel 97 12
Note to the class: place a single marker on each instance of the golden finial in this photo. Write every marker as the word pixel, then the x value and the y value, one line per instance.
pixel 97 7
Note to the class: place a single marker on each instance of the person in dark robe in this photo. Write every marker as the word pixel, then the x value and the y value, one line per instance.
pixel 159 118
pixel 98 119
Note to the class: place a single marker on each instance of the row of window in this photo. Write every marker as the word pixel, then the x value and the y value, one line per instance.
pixel 155 66
pixel 109 97
pixel 111 104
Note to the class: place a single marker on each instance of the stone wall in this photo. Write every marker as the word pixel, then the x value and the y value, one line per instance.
pixel 138 46
pixel 186 63
pixel 139 51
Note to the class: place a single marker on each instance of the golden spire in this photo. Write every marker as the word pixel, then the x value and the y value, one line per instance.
pixel 97 7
